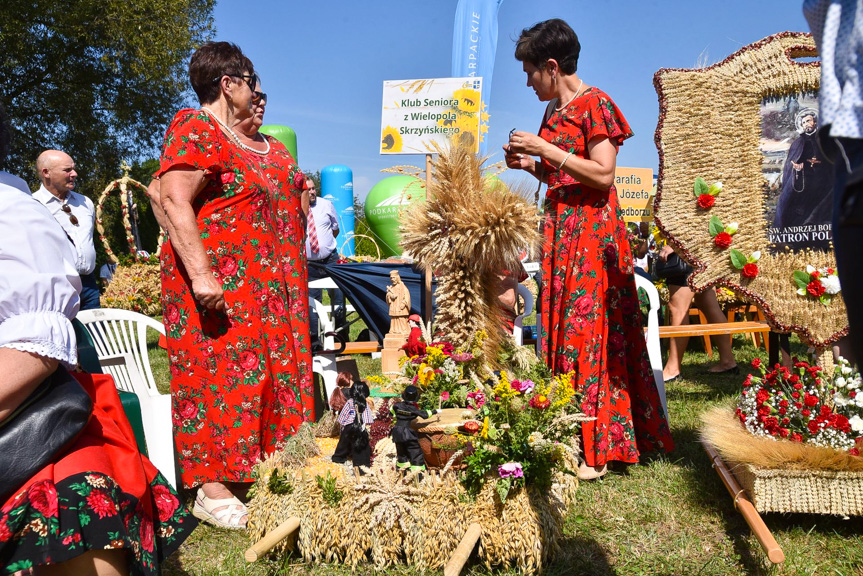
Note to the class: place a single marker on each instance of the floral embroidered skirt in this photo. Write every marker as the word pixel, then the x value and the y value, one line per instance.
pixel 101 494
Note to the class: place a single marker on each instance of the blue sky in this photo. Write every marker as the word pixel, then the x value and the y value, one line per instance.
pixel 323 64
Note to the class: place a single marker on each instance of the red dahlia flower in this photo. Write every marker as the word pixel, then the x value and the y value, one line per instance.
pixel 706 201
pixel 723 240
pixel 750 270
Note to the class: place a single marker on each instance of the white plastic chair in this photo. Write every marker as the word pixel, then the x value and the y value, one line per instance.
pixel 518 323
pixel 325 364
pixel 652 336
pixel 120 339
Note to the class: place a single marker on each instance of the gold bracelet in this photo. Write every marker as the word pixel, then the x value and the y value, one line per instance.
pixel 565 158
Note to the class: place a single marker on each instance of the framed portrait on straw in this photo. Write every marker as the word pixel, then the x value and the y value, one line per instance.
pixel 743 192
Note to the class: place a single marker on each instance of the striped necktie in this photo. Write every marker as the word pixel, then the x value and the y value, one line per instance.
pixel 313 233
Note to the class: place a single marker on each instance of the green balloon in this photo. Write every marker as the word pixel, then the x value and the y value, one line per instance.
pixel 384 205
pixel 284 135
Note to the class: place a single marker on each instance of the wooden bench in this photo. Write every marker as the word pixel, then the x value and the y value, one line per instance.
pixel 713 329
pixel 361 347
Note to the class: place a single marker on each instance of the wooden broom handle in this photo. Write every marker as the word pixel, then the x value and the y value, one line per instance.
pixel 463 550
pixel 746 508
pixel 272 538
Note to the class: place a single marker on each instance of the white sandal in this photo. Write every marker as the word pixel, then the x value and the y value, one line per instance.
pixel 230 515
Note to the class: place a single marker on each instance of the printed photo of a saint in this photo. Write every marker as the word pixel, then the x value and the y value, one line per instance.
pixel 800 179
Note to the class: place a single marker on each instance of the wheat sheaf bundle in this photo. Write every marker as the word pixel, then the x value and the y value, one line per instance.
pixel 471 228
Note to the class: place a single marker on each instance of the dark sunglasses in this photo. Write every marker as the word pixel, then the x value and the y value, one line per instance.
pixel 250 79
pixel 65 208
pixel 258 96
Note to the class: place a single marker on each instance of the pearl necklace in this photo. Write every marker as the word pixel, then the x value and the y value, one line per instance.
pixel 580 82
pixel 236 138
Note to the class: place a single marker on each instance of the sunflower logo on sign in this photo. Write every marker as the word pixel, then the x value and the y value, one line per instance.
pixel 391 140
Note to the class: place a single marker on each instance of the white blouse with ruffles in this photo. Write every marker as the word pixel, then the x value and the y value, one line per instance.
pixel 39 285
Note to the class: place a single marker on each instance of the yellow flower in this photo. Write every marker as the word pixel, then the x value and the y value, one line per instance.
pixel 391 140
pixel 483 433
pixel 468 100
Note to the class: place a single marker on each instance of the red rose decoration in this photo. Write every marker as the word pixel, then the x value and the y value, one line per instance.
pixel 722 240
pixel 187 409
pixel 166 502
pixel 583 305
pixel 228 177
pixel 756 363
pixel 249 360
pixel 810 400
pixel 299 180
pixel 101 503
pixel 615 342
pixel 556 285
pixel 276 306
pixel 172 314
pixel 616 431
pixel 228 265
pixel 5 533
pixel 750 270
pixel 43 497
pixel 815 288
pixel 147 534
pixel 706 201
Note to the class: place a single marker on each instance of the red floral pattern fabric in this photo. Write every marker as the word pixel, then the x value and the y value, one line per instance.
pixel 239 378
pixel 591 322
pixel 101 494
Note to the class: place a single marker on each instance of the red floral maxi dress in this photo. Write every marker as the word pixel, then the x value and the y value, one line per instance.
pixel 591 323
pixel 239 388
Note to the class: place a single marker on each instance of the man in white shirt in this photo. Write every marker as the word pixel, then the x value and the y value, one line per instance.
pixel 74 212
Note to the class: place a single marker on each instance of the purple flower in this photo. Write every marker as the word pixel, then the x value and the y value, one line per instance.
pixel 510 470
pixel 476 399
pixel 522 386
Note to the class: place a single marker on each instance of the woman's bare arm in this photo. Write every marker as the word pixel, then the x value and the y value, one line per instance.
pixel 22 373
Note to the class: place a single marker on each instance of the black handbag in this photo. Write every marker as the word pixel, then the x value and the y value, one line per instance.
pixel 673 266
pixel 44 425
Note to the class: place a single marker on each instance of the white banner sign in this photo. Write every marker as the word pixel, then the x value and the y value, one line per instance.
pixel 419 112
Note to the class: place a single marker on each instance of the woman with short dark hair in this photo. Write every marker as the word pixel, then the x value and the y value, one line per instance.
pixel 238 377
pixel 590 318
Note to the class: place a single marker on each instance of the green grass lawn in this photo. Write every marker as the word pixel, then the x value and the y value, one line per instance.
pixel 669 515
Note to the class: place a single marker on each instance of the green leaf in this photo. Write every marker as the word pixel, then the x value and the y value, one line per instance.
pixel 700 187
pixel 716 225
pixel 825 299
pixel 714 190
pixel 503 486
pixel 738 259
pixel 801 278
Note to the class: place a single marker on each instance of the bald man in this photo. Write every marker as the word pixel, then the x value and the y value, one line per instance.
pixel 74 212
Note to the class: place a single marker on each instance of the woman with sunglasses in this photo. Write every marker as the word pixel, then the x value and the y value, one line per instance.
pixel 591 323
pixel 239 390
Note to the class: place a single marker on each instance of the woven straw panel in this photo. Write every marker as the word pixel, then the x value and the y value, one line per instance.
pixel 802 491
pixel 709 126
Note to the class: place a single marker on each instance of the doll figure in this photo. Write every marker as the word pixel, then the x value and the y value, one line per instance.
pixel 339 397
pixel 406 439
pixel 415 345
pixel 355 418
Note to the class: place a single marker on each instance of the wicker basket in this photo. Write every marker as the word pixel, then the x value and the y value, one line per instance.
pixel 802 491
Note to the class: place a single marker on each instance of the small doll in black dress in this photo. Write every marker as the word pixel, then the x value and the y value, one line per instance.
pixel 355 418
pixel 406 439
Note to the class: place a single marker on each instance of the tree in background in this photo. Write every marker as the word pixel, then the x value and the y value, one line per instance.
pixel 99 79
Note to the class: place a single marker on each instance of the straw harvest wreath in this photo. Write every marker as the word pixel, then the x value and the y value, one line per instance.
pixel 516 450
pixel 710 200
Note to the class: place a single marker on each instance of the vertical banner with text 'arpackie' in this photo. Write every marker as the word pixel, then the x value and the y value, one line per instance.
pixel 474 43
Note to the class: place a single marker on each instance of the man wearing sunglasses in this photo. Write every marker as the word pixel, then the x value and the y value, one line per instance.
pixel 74 212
